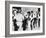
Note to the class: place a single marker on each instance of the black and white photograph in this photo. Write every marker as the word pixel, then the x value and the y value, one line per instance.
pixel 25 19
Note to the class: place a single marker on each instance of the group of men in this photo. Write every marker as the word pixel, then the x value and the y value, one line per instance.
pixel 25 21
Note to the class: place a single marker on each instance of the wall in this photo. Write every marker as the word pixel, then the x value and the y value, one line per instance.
pixel 2 19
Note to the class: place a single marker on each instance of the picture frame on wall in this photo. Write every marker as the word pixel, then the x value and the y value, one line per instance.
pixel 24 18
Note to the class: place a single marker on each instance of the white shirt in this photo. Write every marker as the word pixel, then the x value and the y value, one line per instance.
pixel 19 17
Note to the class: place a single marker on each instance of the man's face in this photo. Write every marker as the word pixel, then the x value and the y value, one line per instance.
pixel 15 12
pixel 26 15
pixel 34 14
